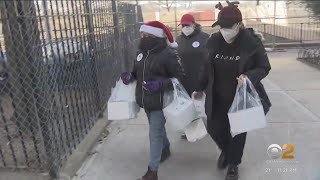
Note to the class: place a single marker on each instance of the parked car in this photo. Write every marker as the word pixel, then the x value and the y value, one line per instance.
pixel 65 64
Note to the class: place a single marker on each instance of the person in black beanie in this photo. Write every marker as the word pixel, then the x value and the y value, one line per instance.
pixel 235 53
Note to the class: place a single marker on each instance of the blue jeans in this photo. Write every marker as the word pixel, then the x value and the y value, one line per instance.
pixel 157 136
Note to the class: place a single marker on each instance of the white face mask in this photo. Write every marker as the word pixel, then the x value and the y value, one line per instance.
pixel 230 35
pixel 187 30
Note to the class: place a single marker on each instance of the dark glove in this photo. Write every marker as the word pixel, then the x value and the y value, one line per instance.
pixel 154 85
pixel 127 78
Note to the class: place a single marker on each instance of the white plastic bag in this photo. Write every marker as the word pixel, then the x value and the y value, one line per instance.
pixel 200 105
pixel 246 113
pixel 122 102
pixel 196 130
pixel 122 92
pixel 179 109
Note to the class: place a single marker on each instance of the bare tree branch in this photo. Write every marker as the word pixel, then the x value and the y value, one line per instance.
pixel 168 4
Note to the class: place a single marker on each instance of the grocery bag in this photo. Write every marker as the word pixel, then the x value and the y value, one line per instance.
pixel 246 112
pixel 200 106
pixel 122 102
pixel 196 130
pixel 178 107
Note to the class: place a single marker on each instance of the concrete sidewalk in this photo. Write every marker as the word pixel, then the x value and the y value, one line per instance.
pixel 294 89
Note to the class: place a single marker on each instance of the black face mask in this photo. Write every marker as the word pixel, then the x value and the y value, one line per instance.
pixel 148 43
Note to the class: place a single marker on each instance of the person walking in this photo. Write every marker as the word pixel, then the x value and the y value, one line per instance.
pixel 155 64
pixel 192 51
pixel 235 53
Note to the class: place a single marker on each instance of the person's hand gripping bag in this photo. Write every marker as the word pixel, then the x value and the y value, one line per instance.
pixel 179 109
pixel 246 112
pixel 196 130
pixel 200 105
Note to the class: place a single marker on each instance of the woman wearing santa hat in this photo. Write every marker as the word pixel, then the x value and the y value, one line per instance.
pixel 155 64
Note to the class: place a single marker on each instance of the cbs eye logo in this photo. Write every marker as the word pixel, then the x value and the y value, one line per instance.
pixel 275 151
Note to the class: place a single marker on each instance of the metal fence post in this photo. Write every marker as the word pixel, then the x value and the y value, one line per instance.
pixel 93 54
pixel 136 11
pixel 115 19
pixel 117 39
pixel 47 22
pixel 175 19
pixel 301 33
pixel 90 26
pixel 140 15
pixel 274 23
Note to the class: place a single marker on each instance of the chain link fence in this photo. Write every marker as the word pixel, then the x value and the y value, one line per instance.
pixel 58 61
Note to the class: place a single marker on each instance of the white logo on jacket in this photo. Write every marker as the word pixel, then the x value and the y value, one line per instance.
pixel 139 57
pixel 196 44
pixel 224 57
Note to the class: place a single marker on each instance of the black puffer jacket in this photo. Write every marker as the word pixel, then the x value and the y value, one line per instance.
pixel 161 63
pixel 254 62
pixel 193 53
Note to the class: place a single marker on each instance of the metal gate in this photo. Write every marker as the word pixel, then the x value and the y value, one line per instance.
pixel 58 61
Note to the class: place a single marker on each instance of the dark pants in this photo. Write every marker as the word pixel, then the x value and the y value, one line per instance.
pixel 219 130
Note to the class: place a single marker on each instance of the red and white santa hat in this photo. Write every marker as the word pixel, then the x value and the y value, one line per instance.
pixel 160 30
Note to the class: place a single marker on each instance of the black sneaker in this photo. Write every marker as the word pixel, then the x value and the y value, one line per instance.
pixel 222 161
pixel 166 153
pixel 232 173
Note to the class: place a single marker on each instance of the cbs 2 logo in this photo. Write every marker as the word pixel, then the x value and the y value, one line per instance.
pixel 275 151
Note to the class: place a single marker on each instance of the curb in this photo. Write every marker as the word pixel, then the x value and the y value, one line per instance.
pixel 292 45
pixel 316 66
pixel 75 161
pixel 23 175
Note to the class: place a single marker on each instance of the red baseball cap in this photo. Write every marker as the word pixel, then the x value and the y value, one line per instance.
pixel 187 19
pixel 228 16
